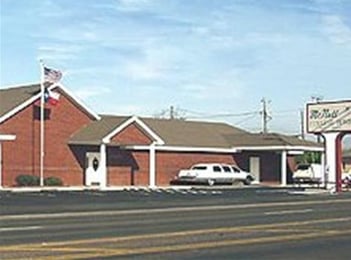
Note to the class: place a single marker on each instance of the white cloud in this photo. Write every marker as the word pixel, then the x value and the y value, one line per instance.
pixel 51 9
pixel 143 70
pixel 336 30
pixel 156 62
pixel 132 5
pixel 220 87
pixel 129 109
pixel 58 52
pixel 92 91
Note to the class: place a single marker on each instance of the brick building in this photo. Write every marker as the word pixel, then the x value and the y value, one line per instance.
pixel 84 148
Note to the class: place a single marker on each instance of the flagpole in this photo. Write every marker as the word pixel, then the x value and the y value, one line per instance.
pixel 42 102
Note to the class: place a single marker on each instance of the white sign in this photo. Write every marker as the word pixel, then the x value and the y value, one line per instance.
pixel 329 117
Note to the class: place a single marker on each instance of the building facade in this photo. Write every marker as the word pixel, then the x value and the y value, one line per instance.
pixel 86 149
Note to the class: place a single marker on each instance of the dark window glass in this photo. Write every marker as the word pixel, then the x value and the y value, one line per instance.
pixel 217 169
pixel 226 169
pixel 235 169
pixel 199 168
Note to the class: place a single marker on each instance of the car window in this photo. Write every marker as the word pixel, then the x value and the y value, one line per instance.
pixel 235 169
pixel 226 169
pixel 201 168
pixel 217 169
pixel 303 167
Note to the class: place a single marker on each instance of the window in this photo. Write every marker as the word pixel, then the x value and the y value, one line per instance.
pixel 226 169
pixel 235 169
pixel 303 167
pixel 201 168
pixel 217 169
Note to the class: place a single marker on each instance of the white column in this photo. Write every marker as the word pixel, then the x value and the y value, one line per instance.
pixel 330 149
pixel 152 166
pixel 323 163
pixel 283 169
pixel 102 166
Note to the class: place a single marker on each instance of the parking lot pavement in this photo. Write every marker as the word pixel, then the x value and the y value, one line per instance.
pixel 142 191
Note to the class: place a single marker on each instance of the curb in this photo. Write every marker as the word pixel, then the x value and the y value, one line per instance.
pixel 103 189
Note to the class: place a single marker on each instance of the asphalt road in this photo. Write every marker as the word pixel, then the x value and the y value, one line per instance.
pixel 216 223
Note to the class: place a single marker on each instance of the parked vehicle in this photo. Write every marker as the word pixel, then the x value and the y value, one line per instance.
pixel 308 173
pixel 346 179
pixel 211 173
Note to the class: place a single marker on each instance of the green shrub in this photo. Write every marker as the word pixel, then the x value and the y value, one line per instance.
pixel 53 181
pixel 27 180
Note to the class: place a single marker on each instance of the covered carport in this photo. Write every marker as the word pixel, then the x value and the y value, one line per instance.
pixel 270 156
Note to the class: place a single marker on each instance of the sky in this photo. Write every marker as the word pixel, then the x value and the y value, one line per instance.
pixel 211 60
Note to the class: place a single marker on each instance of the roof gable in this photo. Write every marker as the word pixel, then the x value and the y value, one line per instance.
pixel 187 134
pixel 132 134
pixel 15 99
pixel 163 132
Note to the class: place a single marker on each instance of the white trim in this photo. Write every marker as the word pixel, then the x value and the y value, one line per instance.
pixel 131 120
pixel 283 168
pixel 91 112
pixel 7 137
pixel 20 107
pixel 295 152
pixel 152 166
pixel 281 148
pixel 183 149
pixel 103 166
pixel 37 96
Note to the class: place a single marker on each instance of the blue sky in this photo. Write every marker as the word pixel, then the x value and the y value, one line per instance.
pixel 204 57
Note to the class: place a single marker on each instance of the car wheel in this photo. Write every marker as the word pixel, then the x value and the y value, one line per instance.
pixel 247 181
pixel 211 182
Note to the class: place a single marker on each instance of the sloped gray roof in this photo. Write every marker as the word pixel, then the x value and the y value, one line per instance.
pixel 10 98
pixel 193 133
pixel 94 132
pixel 190 134
pixel 172 132
pixel 269 140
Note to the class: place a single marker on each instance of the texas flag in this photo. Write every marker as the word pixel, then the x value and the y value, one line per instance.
pixel 51 97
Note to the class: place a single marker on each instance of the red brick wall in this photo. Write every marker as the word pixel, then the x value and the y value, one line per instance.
pixel 168 164
pixel 131 135
pixel 132 167
pixel 22 155
pixel 127 167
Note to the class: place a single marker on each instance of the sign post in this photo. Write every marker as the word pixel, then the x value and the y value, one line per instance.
pixel 333 121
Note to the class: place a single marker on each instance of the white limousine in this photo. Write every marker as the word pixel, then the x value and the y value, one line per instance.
pixel 214 173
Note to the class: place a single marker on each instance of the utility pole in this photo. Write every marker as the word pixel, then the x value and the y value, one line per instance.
pixel 171 113
pixel 265 116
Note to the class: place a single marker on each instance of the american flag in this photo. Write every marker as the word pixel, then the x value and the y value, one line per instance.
pixel 51 75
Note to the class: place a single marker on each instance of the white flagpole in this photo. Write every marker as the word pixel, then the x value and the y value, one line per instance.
pixel 42 103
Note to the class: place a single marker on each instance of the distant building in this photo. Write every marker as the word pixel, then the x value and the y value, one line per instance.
pixel 86 149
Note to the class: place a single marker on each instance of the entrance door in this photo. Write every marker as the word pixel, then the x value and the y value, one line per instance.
pixel 92 173
pixel 255 167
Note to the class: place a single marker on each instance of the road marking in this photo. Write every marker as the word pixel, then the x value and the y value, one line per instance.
pixel 259 227
pixel 105 252
pixel 286 212
pixel 170 210
pixel 7 229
